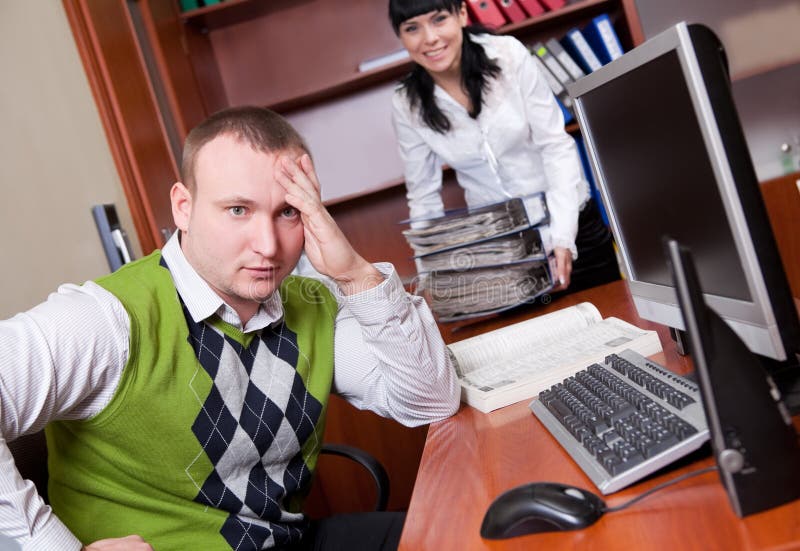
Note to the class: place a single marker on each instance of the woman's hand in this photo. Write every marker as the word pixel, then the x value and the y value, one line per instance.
pixel 563 268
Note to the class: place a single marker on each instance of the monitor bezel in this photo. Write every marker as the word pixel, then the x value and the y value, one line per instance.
pixel 755 322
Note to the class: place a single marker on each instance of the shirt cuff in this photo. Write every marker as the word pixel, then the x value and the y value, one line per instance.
pixel 380 303
pixel 550 241
pixel 53 535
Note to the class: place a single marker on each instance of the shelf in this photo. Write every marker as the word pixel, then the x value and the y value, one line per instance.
pixel 233 11
pixel 227 12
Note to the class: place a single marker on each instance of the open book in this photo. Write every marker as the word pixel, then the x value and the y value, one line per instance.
pixel 517 362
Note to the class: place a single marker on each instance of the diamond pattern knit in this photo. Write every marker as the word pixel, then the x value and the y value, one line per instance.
pixel 253 425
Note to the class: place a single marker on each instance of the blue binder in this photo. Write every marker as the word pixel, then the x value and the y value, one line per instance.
pixel 603 39
pixel 576 45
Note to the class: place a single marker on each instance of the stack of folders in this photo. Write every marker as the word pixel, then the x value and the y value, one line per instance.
pixel 579 52
pixel 474 262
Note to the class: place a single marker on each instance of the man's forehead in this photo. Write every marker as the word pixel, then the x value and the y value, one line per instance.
pixel 229 142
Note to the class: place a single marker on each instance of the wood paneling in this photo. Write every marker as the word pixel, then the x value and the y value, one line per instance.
pixel 782 199
pixel 341 485
pixel 109 51
pixel 168 41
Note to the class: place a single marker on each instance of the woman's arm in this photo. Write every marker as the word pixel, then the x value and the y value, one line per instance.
pixel 422 168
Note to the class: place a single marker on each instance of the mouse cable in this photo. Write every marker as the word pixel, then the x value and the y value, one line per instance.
pixel 660 487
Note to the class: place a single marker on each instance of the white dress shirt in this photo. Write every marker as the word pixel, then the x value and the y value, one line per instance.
pixel 517 146
pixel 63 360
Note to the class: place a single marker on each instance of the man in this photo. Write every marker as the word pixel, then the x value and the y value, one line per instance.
pixel 185 394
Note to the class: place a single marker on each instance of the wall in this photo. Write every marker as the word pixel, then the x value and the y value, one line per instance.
pixel 54 159
pixel 762 41
pixel 353 142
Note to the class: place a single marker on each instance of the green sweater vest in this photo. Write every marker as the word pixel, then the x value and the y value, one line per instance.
pixel 139 467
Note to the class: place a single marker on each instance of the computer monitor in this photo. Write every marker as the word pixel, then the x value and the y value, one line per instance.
pixel 670 159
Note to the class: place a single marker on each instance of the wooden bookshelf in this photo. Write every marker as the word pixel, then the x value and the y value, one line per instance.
pixel 232 12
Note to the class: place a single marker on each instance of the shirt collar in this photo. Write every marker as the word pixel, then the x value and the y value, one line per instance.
pixel 202 301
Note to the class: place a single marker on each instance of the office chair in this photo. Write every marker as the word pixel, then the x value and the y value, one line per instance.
pixel 30 455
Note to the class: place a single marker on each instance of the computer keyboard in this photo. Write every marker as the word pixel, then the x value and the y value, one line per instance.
pixel 623 419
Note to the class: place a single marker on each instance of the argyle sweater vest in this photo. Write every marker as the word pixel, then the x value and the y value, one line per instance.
pixel 212 436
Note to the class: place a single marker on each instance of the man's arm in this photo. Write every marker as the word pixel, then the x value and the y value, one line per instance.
pixel 59 360
pixel 390 357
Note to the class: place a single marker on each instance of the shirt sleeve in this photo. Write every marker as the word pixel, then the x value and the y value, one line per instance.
pixel 60 360
pixel 422 167
pixel 390 357
pixel 567 187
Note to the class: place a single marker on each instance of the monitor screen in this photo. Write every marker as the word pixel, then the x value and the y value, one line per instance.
pixel 670 159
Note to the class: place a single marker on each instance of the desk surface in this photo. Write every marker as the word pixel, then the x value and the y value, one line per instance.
pixel 472 457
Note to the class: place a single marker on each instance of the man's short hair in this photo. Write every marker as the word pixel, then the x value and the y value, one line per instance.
pixel 263 129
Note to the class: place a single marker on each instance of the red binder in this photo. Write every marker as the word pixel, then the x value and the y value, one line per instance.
pixel 486 12
pixel 531 7
pixel 511 10
pixel 553 5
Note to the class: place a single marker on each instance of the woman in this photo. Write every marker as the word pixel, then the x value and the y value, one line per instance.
pixel 477 102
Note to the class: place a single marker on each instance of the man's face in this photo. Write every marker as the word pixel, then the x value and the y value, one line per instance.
pixel 237 230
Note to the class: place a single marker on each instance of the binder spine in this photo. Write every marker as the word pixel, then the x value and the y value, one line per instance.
pixel 552 63
pixel 609 37
pixel 532 7
pixel 583 51
pixel 511 10
pixel 486 12
pixel 565 59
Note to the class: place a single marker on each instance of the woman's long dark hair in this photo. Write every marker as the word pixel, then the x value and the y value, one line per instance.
pixel 476 67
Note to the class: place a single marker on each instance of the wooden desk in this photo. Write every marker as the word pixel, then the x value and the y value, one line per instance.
pixel 472 457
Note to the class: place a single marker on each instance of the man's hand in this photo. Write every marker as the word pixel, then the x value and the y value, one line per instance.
pixel 563 268
pixel 327 248
pixel 128 543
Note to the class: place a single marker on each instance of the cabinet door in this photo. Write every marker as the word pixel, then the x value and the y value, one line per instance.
pixel 123 92
pixel 782 199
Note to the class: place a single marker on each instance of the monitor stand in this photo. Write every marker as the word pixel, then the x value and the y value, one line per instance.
pixel 752 435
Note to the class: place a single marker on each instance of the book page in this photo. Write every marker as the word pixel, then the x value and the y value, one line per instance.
pixel 498 347
pixel 578 349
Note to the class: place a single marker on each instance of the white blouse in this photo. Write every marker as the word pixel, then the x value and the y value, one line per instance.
pixel 517 146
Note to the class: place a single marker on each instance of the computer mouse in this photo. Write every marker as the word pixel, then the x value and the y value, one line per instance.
pixel 541 507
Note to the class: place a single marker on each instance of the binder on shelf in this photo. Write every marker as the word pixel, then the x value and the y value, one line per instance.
pixel 486 13
pixel 550 61
pixel 564 59
pixel 559 91
pixel 576 45
pixel 187 5
pixel 603 39
pixel 512 10
pixel 553 5
pixel 531 7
